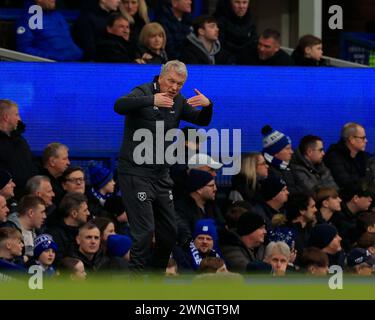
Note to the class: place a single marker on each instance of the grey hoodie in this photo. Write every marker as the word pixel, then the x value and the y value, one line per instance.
pixel 27 235
pixel 215 48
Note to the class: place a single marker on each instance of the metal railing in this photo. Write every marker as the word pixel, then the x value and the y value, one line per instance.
pixel 10 55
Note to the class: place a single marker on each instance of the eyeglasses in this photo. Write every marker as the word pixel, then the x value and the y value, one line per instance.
pixel 76 180
pixel 362 138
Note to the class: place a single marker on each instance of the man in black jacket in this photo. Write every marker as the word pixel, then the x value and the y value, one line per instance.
pixel 151 110
pixel 15 153
pixel 347 159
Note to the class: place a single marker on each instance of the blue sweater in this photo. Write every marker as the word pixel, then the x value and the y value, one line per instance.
pixel 53 41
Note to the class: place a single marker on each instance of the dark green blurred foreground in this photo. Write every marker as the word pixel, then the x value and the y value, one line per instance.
pixel 190 288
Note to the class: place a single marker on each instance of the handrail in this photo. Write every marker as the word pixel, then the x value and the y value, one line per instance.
pixel 10 55
pixel 333 61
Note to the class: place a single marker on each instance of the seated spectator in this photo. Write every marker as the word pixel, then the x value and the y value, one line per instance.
pixel 300 214
pixel 116 209
pixel 7 187
pixel 212 265
pixel 204 241
pixel 75 267
pixel 197 203
pixel 309 52
pixel 202 46
pixel 315 261
pixel 11 246
pixel 53 41
pixel 175 18
pixel 326 238
pixel 367 241
pixel 366 222
pixel 361 262
pixel 90 26
pixel 4 210
pixel 73 180
pixel 44 254
pixel 73 214
pixel 136 12
pixel 356 199
pixel 115 45
pixel 277 254
pixel 152 41
pixel 245 245
pixel 41 187
pixel 237 28
pixel 328 204
pixel 277 151
pixel 106 228
pixel 234 212
pixel 119 246
pixel 30 217
pixel 88 248
pixel 347 159
pixel 55 160
pixel 245 184
pixel 308 167
pixel 267 53
pixel 273 195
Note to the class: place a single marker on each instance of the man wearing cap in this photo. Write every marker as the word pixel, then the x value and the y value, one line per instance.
pixel 202 244
pixel 273 195
pixel 277 151
pixel 326 238
pixel 147 187
pixel 245 245
pixel 361 262
pixel 15 153
pixel 198 202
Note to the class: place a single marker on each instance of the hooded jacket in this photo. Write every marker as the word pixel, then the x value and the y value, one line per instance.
pixel 195 52
pixel 307 176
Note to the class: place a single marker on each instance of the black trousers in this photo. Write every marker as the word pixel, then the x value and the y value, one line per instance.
pixel 149 206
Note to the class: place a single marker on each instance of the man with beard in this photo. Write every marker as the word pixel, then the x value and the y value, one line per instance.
pixel 204 240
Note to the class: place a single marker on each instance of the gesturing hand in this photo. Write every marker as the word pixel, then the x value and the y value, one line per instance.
pixel 198 100
pixel 163 100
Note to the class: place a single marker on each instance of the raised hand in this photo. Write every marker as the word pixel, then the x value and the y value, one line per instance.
pixel 198 100
pixel 163 100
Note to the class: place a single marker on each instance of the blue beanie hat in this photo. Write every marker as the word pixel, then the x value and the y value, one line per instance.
pixel 274 141
pixel 198 179
pixel 322 235
pixel 5 177
pixel 43 242
pixel 99 176
pixel 118 245
pixel 205 226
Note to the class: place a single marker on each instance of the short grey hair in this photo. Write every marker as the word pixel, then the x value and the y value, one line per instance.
pixel 34 183
pixel 278 247
pixel 6 105
pixel 52 150
pixel 175 65
pixel 349 130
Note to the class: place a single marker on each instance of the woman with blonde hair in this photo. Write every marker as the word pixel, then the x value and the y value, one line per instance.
pixel 136 12
pixel 152 40
pixel 245 183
